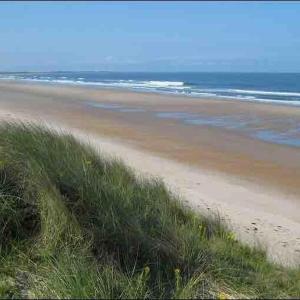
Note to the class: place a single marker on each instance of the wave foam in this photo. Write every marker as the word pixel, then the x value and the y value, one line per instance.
pixel 164 83
pixel 253 92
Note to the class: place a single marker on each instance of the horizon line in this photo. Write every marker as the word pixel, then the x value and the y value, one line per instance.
pixel 140 71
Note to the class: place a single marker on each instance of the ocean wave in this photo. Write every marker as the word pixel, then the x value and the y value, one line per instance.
pixel 194 93
pixel 291 102
pixel 252 92
pixel 63 81
pixel 173 85
pixel 126 83
pixel 148 83
pixel 254 99
pixel 273 93
pixel 164 83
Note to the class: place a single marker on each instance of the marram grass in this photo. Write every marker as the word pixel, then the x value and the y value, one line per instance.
pixel 76 225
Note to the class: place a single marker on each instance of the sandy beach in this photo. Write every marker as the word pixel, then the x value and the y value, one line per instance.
pixel 253 184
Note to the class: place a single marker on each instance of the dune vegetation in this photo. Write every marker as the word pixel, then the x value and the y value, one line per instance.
pixel 74 224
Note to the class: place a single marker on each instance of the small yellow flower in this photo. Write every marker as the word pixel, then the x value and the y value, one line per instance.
pixel 222 296
pixel 231 236
pixel 146 270
pixel 177 279
pixel 177 271
pixel 31 295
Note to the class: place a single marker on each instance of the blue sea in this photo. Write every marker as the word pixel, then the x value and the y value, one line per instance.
pixel 280 88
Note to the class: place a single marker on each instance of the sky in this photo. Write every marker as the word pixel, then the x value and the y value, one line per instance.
pixel 150 36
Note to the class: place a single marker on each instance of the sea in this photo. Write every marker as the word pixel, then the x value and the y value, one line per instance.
pixel 280 88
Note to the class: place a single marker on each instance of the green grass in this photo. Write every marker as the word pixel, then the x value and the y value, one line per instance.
pixel 75 225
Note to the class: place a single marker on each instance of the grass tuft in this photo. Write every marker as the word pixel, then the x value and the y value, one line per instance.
pixel 75 225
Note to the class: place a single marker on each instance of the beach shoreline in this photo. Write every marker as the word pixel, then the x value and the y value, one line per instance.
pixel 259 87
pixel 116 89
pixel 267 214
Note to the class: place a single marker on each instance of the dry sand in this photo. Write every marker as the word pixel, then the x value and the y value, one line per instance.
pixel 211 174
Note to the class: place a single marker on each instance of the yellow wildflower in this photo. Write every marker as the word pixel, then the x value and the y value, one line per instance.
pixel 146 270
pixel 222 296
pixel 177 271
pixel 231 236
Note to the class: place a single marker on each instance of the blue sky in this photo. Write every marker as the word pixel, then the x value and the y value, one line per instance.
pixel 150 36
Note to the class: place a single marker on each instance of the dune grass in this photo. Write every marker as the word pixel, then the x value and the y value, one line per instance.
pixel 76 225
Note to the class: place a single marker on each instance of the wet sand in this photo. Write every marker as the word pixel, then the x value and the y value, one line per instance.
pixel 253 183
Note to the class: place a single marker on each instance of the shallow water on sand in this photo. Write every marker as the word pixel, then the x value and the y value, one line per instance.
pixel 273 130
